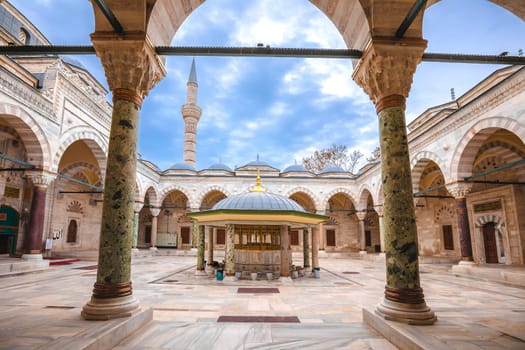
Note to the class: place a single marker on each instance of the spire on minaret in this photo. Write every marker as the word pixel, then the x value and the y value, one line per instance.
pixel 193 73
pixel 191 114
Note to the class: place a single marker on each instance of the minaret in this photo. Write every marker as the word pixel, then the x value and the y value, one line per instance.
pixel 191 114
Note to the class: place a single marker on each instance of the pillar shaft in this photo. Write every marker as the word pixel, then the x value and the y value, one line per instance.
pixel 200 248
pixel 36 221
pixel 464 229
pixel 229 264
pixel 315 245
pixel 362 234
pixel 285 251
pixel 135 229
pixel 306 248
pixel 210 244
pixel 154 227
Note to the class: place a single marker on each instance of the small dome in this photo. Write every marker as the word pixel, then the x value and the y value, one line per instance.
pixel 295 167
pixel 181 166
pixel 258 201
pixel 219 166
pixel 257 163
pixel 332 169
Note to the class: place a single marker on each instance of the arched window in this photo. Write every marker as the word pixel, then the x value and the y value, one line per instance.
pixel 72 231
pixel 23 36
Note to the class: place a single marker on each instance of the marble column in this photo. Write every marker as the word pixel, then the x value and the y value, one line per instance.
pixel 385 72
pixel 315 246
pixel 306 249
pixel 132 67
pixel 137 207
pixel 286 260
pixel 200 248
pixel 460 191
pixel 154 221
pixel 361 216
pixel 229 265
pixel 210 244
pixel 35 233
pixel 321 236
pixel 194 232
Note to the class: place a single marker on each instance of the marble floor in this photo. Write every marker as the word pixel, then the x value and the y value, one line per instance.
pixel 42 310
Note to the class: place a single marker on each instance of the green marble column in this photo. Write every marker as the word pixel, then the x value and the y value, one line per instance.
pixel 194 233
pixel 229 265
pixel 404 299
pixel 315 245
pixel 117 226
pixel 210 244
pixel 135 229
pixel 306 248
pixel 200 248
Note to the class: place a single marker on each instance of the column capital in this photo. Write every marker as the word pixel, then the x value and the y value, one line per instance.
pixel 40 178
pixel 361 215
pixel 137 207
pixel 386 69
pixel 459 189
pixel 154 211
pixel 131 64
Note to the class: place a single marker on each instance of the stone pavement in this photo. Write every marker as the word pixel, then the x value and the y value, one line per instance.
pixel 42 310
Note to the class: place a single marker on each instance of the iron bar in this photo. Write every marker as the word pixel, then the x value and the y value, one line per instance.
pixel 110 16
pixel 80 192
pixel 17 161
pixel 410 17
pixel 490 171
pixel 432 196
pixel 496 182
pixel 261 52
pixel 100 189
pixel 13 169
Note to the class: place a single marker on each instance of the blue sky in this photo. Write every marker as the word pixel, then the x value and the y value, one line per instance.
pixel 282 108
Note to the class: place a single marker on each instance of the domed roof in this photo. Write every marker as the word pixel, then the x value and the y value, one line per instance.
pixel 258 201
pixel 295 167
pixel 332 169
pixel 181 166
pixel 257 163
pixel 219 166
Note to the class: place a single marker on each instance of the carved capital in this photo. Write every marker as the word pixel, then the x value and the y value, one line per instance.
pixel 386 69
pixel 40 178
pixel 131 65
pixel 137 207
pixel 361 215
pixel 459 189
pixel 154 211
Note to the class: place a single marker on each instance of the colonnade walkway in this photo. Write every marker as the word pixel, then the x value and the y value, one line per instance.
pixel 41 310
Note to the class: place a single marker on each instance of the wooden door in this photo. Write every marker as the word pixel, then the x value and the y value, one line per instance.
pixel 147 234
pixel 294 237
pixel 185 235
pixel 221 236
pixel 489 241
pixel 330 238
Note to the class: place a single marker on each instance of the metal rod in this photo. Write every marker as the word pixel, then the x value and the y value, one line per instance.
pixel 99 189
pixel 261 52
pixel 431 196
pixel 410 17
pixel 490 171
pixel 110 16
pixel 430 189
pixel 17 161
pixel 496 182
pixel 79 192
pixel 13 169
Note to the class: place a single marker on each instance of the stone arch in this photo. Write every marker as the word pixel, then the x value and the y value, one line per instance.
pixel 496 219
pixel 308 193
pixel 152 191
pixel 70 171
pixel 466 150
pixel 335 191
pixel 38 149
pixel 364 192
pixel 418 164
pixel 96 143
pixel 210 189
pixel 192 202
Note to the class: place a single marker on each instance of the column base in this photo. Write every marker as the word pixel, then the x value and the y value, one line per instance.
pixel 28 256
pixel 413 314
pixel 153 248
pixel 202 273
pixel 110 308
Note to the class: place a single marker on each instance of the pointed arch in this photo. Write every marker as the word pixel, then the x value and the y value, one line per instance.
pixel 215 188
pixel 192 203
pixel 308 193
pixel 96 143
pixel 339 190
pixel 418 164
pixel 38 149
pixel 467 148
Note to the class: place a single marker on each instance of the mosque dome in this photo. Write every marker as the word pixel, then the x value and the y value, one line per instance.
pixel 181 166
pixel 332 169
pixel 295 168
pixel 258 201
pixel 219 166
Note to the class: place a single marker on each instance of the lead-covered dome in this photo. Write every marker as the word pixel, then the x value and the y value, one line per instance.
pixel 258 201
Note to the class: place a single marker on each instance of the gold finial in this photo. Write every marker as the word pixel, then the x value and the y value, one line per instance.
pixel 258 187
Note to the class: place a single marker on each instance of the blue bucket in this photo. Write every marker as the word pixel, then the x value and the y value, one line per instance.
pixel 219 275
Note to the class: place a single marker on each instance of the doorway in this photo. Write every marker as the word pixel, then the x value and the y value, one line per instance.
pixel 489 243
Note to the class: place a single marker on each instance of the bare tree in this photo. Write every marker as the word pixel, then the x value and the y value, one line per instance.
pixel 376 154
pixel 336 155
